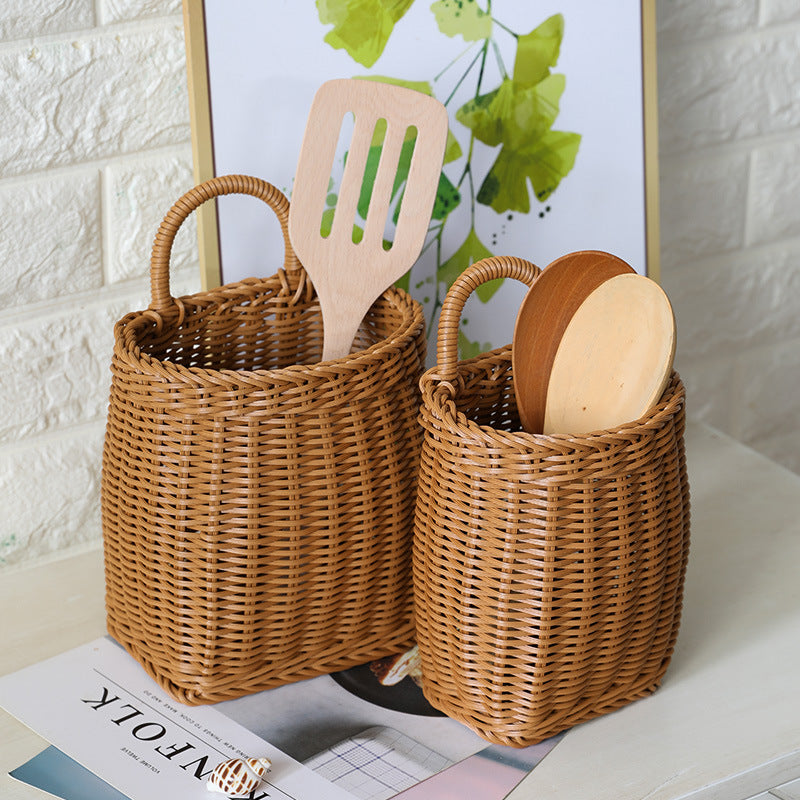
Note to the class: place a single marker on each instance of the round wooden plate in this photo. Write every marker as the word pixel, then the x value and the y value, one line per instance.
pixel 544 315
pixel 614 358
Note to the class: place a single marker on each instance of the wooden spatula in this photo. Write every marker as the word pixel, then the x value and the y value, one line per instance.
pixel 350 276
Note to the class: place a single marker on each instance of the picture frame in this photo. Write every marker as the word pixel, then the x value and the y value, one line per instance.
pixel 254 66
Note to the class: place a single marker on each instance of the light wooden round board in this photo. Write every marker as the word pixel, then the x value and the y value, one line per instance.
pixel 614 358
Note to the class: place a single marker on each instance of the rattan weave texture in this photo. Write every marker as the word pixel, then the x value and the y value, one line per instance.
pixel 257 504
pixel 548 570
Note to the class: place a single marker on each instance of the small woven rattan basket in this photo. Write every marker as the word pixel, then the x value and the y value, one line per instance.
pixel 258 505
pixel 548 570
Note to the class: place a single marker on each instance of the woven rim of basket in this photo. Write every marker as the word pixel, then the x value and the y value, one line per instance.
pixel 443 395
pixel 410 328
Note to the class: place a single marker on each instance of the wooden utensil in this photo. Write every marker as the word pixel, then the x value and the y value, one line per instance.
pixel 614 358
pixel 350 276
pixel 547 309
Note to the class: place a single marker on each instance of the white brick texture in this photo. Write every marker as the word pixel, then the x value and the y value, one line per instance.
pixel 22 18
pixel 702 207
pixel 777 11
pixel 719 92
pixel 50 242
pixel 730 303
pixel 122 10
pixel 775 192
pixel 683 20
pixel 708 384
pixel 729 138
pixel 768 413
pixel 56 370
pixel 140 194
pixel 97 96
pixel 94 148
pixel 50 490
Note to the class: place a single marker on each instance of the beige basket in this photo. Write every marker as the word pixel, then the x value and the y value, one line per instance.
pixel 548 570
pixel 257 504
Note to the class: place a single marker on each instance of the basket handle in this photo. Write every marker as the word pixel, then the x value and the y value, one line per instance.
pixel 160 297
pixel 457 295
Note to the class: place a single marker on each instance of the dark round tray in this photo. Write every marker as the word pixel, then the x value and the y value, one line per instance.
pixel 403 696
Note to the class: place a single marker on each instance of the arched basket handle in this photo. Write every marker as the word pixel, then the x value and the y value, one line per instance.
pixel 160 298
pixel 457 295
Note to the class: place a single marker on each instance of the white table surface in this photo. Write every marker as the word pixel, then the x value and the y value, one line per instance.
pixel 725 725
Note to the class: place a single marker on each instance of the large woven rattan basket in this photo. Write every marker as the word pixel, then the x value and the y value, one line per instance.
pixel 548 570
pixel 258 504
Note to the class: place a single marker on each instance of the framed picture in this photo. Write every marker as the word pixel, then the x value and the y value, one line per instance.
pixel 553 125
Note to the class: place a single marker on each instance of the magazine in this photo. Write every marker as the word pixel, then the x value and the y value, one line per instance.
pixel 61 776
pixel 99 707
pixel 490 774
pixel 374 765
pixel 341 734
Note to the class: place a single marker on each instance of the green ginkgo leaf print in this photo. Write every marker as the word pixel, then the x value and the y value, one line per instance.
pixel 327 225
pixel 452 149
pixel 549 160
pixel 512 114
pixel 519 115
pixel 361 27
pixel 469 349
pixel 447 195
pixel 472 250
pixel 544 164
pixel 538 51
pixel 447 198
pixel 515 119
pixel 417 86
pixel 462 18
pixel 373 160
pixel 518 118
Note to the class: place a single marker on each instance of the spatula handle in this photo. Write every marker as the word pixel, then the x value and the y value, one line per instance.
pixel 339 329
pixel 457 295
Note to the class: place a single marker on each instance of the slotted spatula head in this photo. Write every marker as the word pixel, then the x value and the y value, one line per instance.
pixel 350 276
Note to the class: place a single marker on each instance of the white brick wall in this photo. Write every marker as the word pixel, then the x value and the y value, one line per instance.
pixel 94 147
pixel 729 137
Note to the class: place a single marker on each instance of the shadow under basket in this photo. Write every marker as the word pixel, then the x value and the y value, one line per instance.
pixel 548 570
pixel 258 504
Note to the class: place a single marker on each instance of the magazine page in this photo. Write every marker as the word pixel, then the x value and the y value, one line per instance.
pixel 372 740
pixel 371 766
pixel 60 776
pixel 340 725
pixel 488 775
pixel 99 707
pixel 308 717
